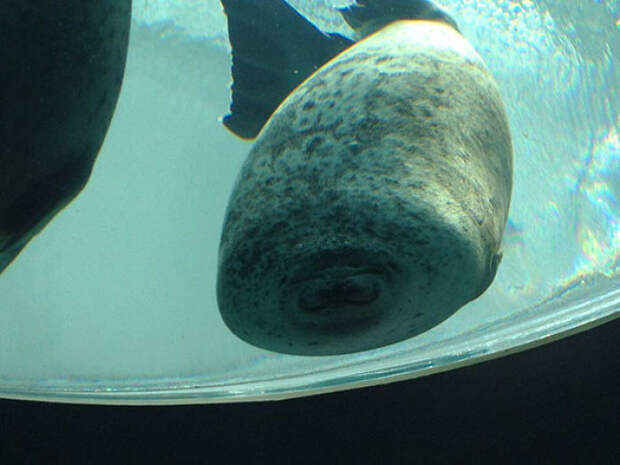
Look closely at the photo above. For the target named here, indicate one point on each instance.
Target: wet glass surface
(115, 299)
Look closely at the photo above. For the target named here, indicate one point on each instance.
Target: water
(117, 295)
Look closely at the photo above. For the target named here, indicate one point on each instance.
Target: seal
(373, 203)
(60, 80)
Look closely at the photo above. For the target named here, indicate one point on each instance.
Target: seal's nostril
(325, 293)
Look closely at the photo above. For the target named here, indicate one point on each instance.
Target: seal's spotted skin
(373, 203)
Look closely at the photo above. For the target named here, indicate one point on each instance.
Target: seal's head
(350, 270)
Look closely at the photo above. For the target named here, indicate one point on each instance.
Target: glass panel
(114, 301)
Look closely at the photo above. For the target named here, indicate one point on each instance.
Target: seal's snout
(326, 292)
(336, 279)
(337, 284)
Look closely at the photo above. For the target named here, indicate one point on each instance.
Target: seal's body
(373, 204)
(62, 68)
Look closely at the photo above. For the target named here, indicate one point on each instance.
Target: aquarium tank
(114, 298)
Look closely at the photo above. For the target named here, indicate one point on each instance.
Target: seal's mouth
(338, 287)
(338, 280)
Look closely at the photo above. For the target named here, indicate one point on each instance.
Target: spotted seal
(373, 202)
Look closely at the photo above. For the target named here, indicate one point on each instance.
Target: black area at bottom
(557, 403)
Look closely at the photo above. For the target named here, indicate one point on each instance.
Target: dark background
(557, 403)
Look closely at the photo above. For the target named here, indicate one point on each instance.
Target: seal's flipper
(274, 49)
(368, 16)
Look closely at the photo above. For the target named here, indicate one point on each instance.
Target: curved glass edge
(560, 316)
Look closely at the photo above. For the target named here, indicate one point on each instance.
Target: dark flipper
(368, 16)
(274, 49)
(62, 68)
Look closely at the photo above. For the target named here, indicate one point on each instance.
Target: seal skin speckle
(373, 204)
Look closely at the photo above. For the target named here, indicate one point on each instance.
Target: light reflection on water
(556, 63)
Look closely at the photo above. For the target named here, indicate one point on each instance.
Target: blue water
(119, 290)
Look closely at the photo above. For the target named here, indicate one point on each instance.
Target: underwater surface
(115, 298)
